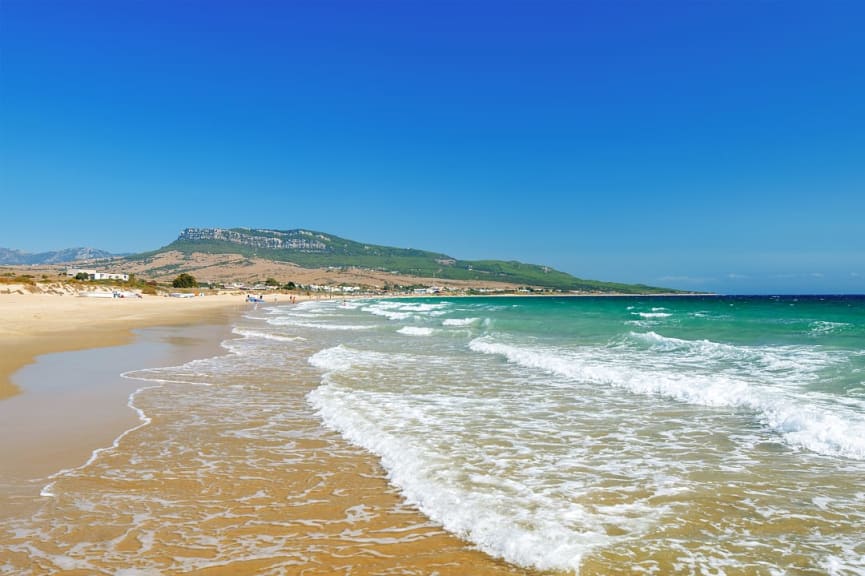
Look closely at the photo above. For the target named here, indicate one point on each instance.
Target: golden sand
(46, 429)
(159, 520)
(34, 324)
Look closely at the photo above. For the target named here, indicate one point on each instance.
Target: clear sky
(709, 145)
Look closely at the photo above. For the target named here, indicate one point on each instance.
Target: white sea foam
(330, 326)
(548, 533)
(821, 327)
(393, 314)
(415, 331)
(342, 358)
(404, 310)
(460, 321)
(767, 381)
(266, 335)
(652, 314)
(480, 475)
(783, 363)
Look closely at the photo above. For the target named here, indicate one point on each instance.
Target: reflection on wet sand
(235, 477)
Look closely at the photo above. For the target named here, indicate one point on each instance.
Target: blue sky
(698, 145)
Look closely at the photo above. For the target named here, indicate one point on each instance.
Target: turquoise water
(705, 435)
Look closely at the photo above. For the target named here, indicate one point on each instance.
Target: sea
(543, 435)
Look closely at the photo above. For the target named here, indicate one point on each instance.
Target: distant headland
(227, 257)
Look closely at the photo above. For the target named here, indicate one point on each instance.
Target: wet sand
(60, 364)
(36, 324)
(76, 402)
(52, 416)
(323, 507)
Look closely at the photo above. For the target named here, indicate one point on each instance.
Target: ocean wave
(342, 358)
(459, 321)
(415, 331)
(266, 335)
(648, 315)
(698, 348)
(819, 328)
(323, 325)
(393, 314)
(797, 363)
(551, 533)
(765, 381)
(405, 310)
(338, 358)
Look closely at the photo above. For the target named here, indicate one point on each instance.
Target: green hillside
(318, 250)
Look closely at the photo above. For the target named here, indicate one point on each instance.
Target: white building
(94, 275)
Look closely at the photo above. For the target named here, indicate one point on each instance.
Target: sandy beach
(35, 324)
(56, 411)
(324, 506)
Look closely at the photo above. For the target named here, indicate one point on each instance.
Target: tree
(82, 276)
(185, 281)
(289, 286)
(271, 282)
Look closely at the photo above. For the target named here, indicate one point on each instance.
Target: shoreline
(63, 396)
(38, 324)
(329, 484)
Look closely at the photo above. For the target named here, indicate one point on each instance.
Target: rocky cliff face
(298, 240)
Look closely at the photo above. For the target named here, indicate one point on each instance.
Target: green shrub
(185, 281)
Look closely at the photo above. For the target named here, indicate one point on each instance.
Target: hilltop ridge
(230, 255)
(312, 249)
(19, 257)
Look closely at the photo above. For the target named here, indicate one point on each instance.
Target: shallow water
(705, 435)
(229, 471)
(590, 435)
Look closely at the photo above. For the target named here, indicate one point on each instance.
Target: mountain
(18, 258)
(311, 249)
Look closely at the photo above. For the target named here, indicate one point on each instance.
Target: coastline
(38, 324)
(328, 483)
(62, 396)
